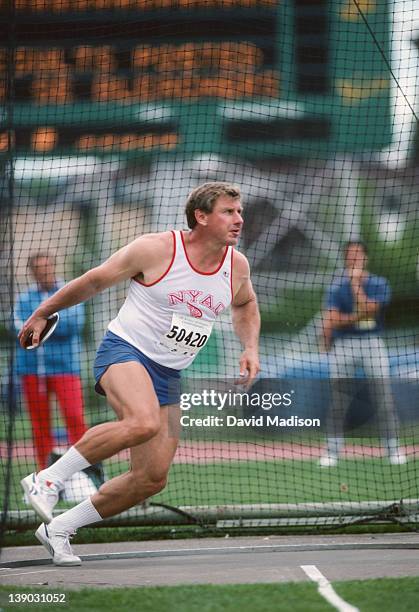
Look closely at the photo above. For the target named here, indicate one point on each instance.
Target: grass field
(391, 595)
(287, 481)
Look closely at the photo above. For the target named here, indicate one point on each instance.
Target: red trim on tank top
(231, 274)
(199, 271)
(164, 273)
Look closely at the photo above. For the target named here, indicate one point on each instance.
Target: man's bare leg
(131, 393)
(150, 464)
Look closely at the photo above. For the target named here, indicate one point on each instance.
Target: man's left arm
(246, 323)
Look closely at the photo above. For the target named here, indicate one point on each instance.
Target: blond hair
(205, 196)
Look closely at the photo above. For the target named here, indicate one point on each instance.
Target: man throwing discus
(180, 282)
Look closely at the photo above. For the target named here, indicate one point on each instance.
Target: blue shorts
(114, 349)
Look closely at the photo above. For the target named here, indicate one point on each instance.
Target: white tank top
(170, 320)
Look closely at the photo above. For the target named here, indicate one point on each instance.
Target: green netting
(111, 112)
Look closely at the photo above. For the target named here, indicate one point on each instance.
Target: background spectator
(55, 366)
(352, 327)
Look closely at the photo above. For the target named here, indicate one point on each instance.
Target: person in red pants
(37, 392)
(54, 368)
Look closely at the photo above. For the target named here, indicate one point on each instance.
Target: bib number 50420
(186, 334)
(187, 338)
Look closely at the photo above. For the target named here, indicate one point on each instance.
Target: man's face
(225, 221)
(43, 271)
(356, 258)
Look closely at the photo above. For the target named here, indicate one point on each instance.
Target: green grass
(253, 482)
(393, 595)
(389, 594)
(408, 434)
(293, 311)
(22, 428)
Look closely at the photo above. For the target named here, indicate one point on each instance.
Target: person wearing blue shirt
(352, 327)
(55, 366)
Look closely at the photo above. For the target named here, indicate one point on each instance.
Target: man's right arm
(333, 317)
(338, 319)
(122, 265)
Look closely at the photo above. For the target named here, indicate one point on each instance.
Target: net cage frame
(308, 174)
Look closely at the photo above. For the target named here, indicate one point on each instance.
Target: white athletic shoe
(398, 458)
(58, 545)
(41, 494)
(328, 461)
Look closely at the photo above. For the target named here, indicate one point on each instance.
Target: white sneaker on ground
(58, 546)
(328, 461)
(41, 494)
(398, 458)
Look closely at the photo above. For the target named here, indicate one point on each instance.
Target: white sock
(334, 446)
(67, 465)
(392, 445)
(83, 514)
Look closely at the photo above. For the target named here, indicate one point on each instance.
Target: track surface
(209, 452)
(185, 561)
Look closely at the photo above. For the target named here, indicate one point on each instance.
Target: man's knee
(157, 484)
(149, 483)
(140, 430)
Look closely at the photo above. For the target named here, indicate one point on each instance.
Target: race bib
(187, 335)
